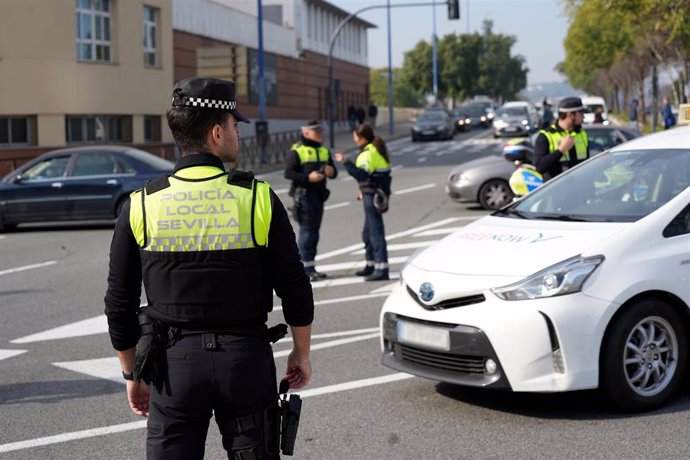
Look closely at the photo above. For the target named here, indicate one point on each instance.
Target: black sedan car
(433, 124)
(80, 183)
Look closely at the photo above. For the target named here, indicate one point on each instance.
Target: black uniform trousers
(227, 375)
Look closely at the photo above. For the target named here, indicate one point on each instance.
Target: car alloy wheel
(643, 356)
(495, 194)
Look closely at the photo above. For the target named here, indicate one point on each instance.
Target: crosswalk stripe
(27, 267)
(4, 354)
(91, 326)
(347, 281)
(403, 246)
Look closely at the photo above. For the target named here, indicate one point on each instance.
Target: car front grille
(450, 303)
(453, 363)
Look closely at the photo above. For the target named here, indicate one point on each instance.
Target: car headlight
(525, 122)
(461, 122)
(500, 124)
(491, 116)
(468, 121)
(415, 128)
(566, 277)
(483, 118)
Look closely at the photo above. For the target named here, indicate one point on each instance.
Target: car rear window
(151, 160)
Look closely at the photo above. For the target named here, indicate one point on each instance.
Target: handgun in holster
(153, 341)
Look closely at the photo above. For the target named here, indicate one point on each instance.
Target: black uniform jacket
(298, 173)
(285, 271)
(550, 164)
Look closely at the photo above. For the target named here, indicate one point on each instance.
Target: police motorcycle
(525, 178)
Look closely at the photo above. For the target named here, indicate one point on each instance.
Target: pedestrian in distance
(352, 117)
(547, 114)
(373, 112)
(372, 170)
(361, 115)
(211, 246)
(563, 144)
(632, 114)
(667, 114)
(598, 116)
(308, 165)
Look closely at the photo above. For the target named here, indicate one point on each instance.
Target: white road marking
(339, 300)
(331, 344)
(347, 281)
(337, 334)
(385, 290)
(4, 354)
(281, 191)
(411, 231)
(28, 267)
(97, 325)
(396, 167)
(336, 206)
(355, 264)
(414, 189)
(2, 237)
(436, 231)
(347, 179)
(403, 246)
(421, 160)
(106, 430)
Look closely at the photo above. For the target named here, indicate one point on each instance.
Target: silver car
(485, 180)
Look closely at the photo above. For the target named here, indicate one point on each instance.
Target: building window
(152, 128)
(17, 131)
(150, 36)
(93, 30)
(98, 128)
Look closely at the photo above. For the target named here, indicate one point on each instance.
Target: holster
(149, 364)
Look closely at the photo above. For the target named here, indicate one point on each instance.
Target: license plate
(417, 334)
(511, 129)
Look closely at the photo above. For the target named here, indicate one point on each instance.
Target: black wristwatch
(128, 375)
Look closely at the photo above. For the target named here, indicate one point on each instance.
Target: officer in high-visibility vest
(211, 246)
(307, 165)
(563, 144)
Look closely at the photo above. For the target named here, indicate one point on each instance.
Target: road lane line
(437, 231)
(91, 326)
(414, 189)
(106, 430)
(356, 264)
(347, 281)
(411, 231)
(421, 160)
(28, 267)
(339, 300)
(336, 206)
(404, 246)
(4, 354)
(331, 344)
(281, 191)
(336, 334)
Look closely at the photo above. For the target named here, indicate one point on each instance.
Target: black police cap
(571, 104)
(210, 93)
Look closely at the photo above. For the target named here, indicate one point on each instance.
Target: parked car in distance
(485, 180)
(515, 119)
(79, 183)
(581, 284)
(594, 104)
(433, 124)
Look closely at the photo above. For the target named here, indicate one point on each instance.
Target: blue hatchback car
(80, 183)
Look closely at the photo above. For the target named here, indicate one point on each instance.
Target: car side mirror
(17, 179)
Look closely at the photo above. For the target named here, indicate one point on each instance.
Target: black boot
(378, 275)
(366, 271)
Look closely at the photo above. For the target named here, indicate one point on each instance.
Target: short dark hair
(190, 126)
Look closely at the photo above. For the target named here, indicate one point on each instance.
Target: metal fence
(250, 155)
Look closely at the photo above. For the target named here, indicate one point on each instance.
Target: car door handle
(111, 182)
(56, 184)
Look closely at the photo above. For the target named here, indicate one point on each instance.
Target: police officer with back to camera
(307, 165)
(210, 246)
(563, 144)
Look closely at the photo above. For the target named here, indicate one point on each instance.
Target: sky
(540, 26)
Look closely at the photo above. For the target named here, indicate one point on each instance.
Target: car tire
(495, 194)
(633, 373)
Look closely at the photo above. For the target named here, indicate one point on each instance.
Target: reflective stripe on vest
(371, 160)
(554, 136)
(308, 154)
(202, 215)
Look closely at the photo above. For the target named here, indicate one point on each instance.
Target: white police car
(583, 283)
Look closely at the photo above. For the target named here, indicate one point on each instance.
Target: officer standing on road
(210, 246)
(563, 144)
(372, 170)
(307, 165)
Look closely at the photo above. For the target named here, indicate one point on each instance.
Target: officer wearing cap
(307, 165)
(210, 246)
(563, 144)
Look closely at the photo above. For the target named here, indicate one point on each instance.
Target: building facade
(90, 71)
(101, 71)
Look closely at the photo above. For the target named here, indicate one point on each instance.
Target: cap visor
(239, 116)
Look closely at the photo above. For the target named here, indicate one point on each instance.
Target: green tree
(403, 96)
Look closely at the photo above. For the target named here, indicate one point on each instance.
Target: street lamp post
(334, 36)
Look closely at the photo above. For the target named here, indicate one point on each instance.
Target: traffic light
(453, 9)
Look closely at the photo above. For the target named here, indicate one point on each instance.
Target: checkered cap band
(210, 103)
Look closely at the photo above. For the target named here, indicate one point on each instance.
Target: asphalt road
(61, 395)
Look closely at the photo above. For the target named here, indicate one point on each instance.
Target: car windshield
(431, 117)
(594, 107)
(621, 186)
(512, 112)
(473, 110)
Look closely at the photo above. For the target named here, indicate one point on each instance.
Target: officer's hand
(329, 170)
(566, 144)
(339, 157)
(138, 396)
(298, 371)
(316, 176)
